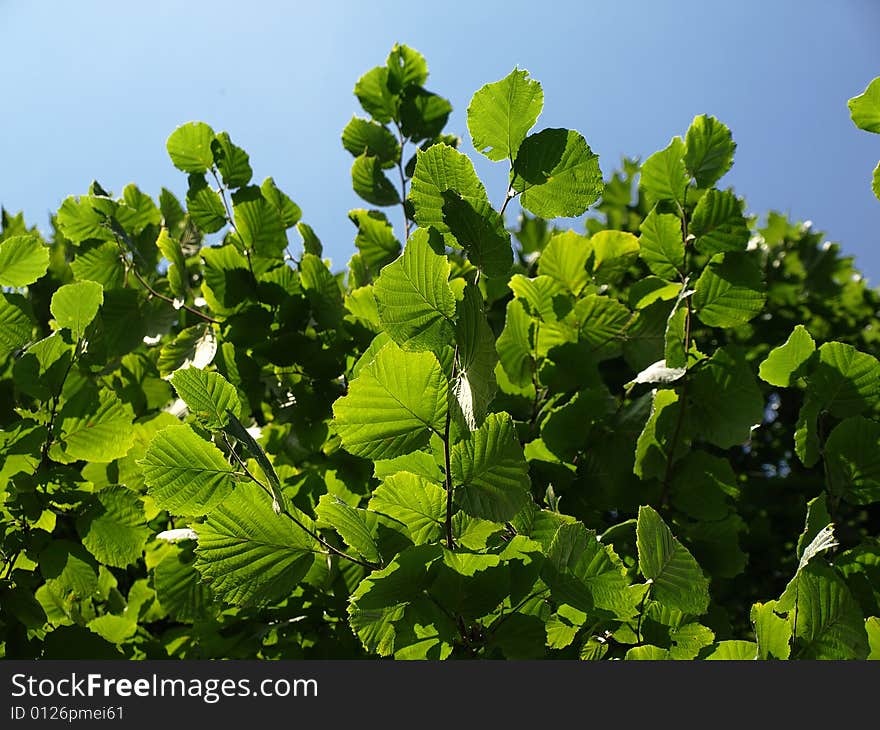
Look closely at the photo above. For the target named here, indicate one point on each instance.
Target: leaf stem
(402, 180)
(221, 190)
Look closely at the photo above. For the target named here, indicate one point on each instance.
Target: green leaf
(702, 486)
(289, 211)
(416, 304)
(818, 518)
(501, 114)
(565, 259)
(557, 174)
(363, 137)
(138, 211)
(585, 574)
(604, 322)
(415, 501)
(852, 457)
(16, 323)
(864, 109)
(176, 272)
(660, 244)
(232, 161)
(725, 402)
(475, 385)
(236, 429)
(653, 446)
(179, 586)
(101, 264)
(204, 205)
(189, 147)
(113, 527)
(806, 435)
(375, 238)
(349, 522)
(514, 344)
(184, 473)
(194, 346)
(423, 114)
(830, 624)
(733, 650)
(730, 291)
(94, 429)
(23, 260)
(678, 581)
(85, 218)
(208, 395)
(393, 405)
(489, 471)
(719, 224)
(482, 234)
(375, 96)
(710, 149)
(406, 67)
(875, 181)
(370, 182)
(664, 176)
(258, 223)
(248, 554)
(772, 631)
(872, 627)
(646, 653)
(74, 306)
(845, 381)
(613, 253)
(786, 364)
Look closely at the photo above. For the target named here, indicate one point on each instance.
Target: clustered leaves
(653, 438)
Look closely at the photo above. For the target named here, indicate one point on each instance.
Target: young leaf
(232, 161)
(489, 471)
(416, 305)
(208, 395)
(393, 405)
(374, 95)
(660, 244)
(74, 306)
(23, 260)
(730, 291)
(248, 554)
(710, 149)
(370, 182)
(415, 501)
(501, 114)
(719, 224)
(189, 147)
(349, 523)
(664, 176)
(184, 473)
(678, 581)
(786, 363)
(557, 174)
(865, 108)
(363, 137)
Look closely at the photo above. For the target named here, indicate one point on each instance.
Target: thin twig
(402, 180)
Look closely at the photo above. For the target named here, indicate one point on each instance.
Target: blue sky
(92, 90)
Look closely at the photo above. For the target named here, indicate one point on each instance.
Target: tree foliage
(653, 436)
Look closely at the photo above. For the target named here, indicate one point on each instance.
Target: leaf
(179, 587)
(664, 176)
(406, 67)
(557, 174)
(258, 223)
(565, 259)
(829, 624)
(393, 405)
(719, 224)
(23, 260)
(658, 373)
(613, 253)
(806, 435)
(375, 238)
(236, 429)
(189, 147)
(204, 205)
(475, 386)
(94, 429)
(373, 93)
(703, 485)
(482, 235)
(852, 457)
(423, 114)
(113, 527)
(772, 631)
(501, 114)
(489, 471)
(585, 574)
(208, 395)
(514, 344)
(818, 518)
(192, 347)
(845, 381)
(678, 581)
(603, 324)
(184, 473)
(370, 182)
(415, 501)
(349, 523)
(730, 291)
(786, 364)
(16, 323)
(232, 161)
(176, 272)
(288, 211)
(248, 554)
(657, 437)
(725, 401)
(864, 109)
(363, 137)
(416, 304)
(85, 218)
(74, 306)
(660, 244)
(709, 150)
(735, 650)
